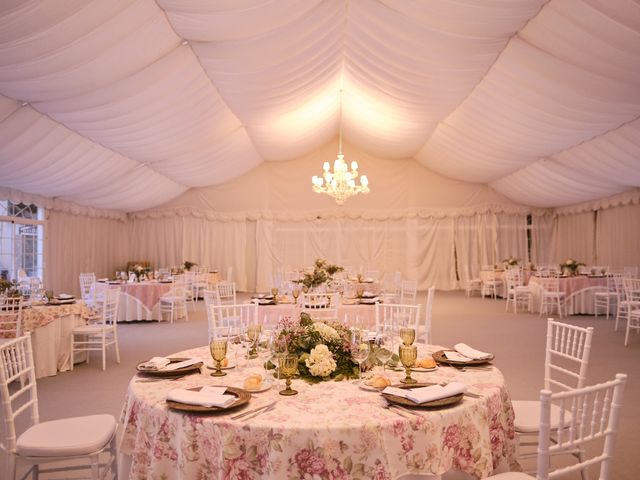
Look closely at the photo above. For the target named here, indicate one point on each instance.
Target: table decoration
(441, 357)
(323, 272)
(218, 349)
(288, 365)
(570, 267)
(331, 361)
(176, 367)
(253, 334)
(425, 395)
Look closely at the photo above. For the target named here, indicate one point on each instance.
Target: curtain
(618, 236)
(541, 238)
(76, 244)
(574, 237)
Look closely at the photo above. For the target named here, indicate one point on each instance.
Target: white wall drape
(618, 236)
(76, 244)
(574, 237)
(541, 239)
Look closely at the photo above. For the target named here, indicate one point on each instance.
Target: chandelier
(341, 183)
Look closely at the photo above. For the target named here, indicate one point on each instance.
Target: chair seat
(67, 437)
(511, 476)
(92, 328)
(527, 416)
(172, 299)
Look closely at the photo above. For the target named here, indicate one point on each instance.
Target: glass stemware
(288, 366)
(384, 351)
(359, 351)
(407, 335)
(408, 355)
(218, 348)
(253, 333)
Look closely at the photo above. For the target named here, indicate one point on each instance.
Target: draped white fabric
(574, 237)
(126, 104)
(617, 237)
(77, 243)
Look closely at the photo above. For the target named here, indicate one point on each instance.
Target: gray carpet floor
(518, 342)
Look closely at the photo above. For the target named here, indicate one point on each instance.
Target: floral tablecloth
(331, 430)
(41, 315)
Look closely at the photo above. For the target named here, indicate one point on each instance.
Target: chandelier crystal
(341, 183)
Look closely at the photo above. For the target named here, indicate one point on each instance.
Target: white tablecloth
(329, 430)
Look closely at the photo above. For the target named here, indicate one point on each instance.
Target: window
(21, 239)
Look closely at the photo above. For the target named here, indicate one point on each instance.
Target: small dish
(264, 386)
(213, 366)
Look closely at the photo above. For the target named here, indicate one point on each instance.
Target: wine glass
(407, 335)
(218, 348)
(296, 293)
(288, 365)
(359, 353)
(408, 355)
(384, 351)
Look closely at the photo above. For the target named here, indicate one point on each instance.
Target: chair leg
(115, 340)
(104, 351)
(71, 354)
(626, 336)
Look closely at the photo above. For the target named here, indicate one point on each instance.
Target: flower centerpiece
(510, 262)
(187, 265)
(570, 267)
(323, 348)
(10, 289)
(139, 271)
(323, 272)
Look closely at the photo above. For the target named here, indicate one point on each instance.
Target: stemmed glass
(359, 350)
(296, 293)
(384, 344)
(218, 349)
(408, 352)
(288, 365)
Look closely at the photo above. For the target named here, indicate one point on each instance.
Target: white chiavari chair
(226, 293)
(427, 317)
(550, 295)
(518, 294)
(70, 439)
(398, 315)
(87, 288)
(102, 334)
(491, 284)
(174, 303)
(320, 306)
(608, 296)
(567, 352)
(632, 302)
(408, 292)
(11, 317)
(593, 415)
(189, 283)
(471, 283)
(234, 317)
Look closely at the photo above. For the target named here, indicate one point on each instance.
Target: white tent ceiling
(125, 104)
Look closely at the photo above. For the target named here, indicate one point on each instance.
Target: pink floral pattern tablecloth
(41, 315)
(331, 430)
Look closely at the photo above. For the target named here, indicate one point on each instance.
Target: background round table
(329, 430)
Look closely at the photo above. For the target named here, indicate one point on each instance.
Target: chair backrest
(408, 291)
(110, 303)
(631, 289)
(317, 301)
(550, 284)
(566, 356)
(427, 317)
(594, 415)
(11, 317)
(324, 314)
(398, 315)
(235, 317)
(16, 365)
(227, 293)
(630, 272)
(86, 286)
(189, 279)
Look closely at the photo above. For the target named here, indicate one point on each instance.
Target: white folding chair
(69, 439)
(607, 297)
(632, 302)
(11, 317)
(565, 368)
(427, 318)
(471, 284)
(517, 293)
(551, 297)
(408, 292)
(398, 315)
(102, 334)
(591, 415)
(234, 317)
(174, 302)
(226, 293)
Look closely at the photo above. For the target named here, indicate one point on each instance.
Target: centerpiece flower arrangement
(510, 262)
(322, 273)
(187, 266)
(323, 348)
(10, 289)
(138, 271)
(570, 266)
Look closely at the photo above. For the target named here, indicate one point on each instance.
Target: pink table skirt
(579, 292)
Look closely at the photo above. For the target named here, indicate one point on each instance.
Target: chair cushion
(67, 437)
(527, 416)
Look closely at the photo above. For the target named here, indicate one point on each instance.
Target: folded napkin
(64, 296)
(156, 363)
(206, 397)
(428, 394)
(164, 364)
(472, 353)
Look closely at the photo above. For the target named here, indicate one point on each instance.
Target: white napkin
(206, 397)
(469, 352)
(64, 296)
(156, 363)
(185, 363)
(428, 394)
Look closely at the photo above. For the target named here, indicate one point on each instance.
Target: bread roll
(379, 381)
(253, 382)
(428, 362)
(224, 362)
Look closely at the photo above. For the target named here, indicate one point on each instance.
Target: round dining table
(579, 292)
(138, 300)
(330, 429)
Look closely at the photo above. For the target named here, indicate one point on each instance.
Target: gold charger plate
(405, 402)
(242, 398)
(170, 373)
(440, 357)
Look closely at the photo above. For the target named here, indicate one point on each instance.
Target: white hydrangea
(326, 332)
(320, 362)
